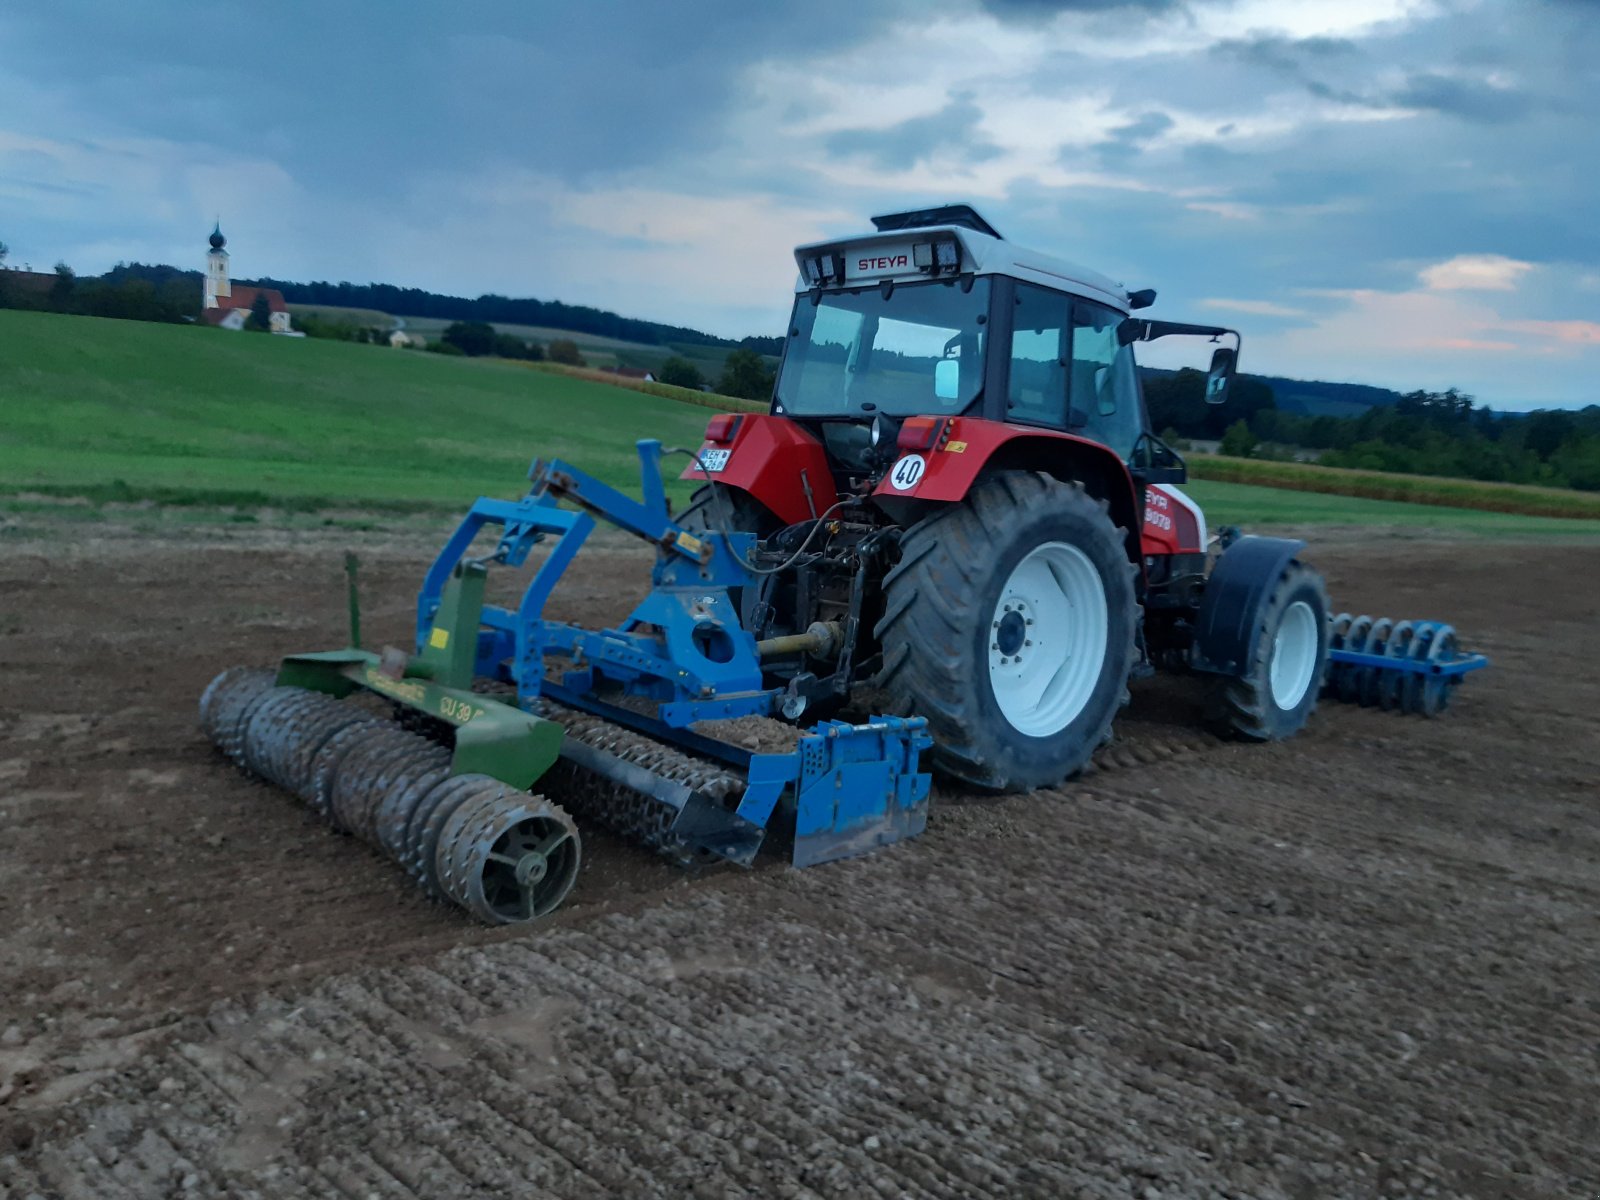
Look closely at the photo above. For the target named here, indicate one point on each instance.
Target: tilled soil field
(1363, 963)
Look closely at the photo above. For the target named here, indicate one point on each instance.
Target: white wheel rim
(1047, 639)
(1294, 655)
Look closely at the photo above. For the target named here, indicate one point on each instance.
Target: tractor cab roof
(941, 242)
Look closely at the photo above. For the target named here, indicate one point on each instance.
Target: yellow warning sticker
(691, 545)
(957, 447)
(439, 638)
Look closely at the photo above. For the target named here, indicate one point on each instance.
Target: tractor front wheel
(1009, 624)
(1278, 691)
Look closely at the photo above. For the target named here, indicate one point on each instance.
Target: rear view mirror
(1221, 375)
(947, 379)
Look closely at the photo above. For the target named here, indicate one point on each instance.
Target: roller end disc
(226, 703)
(508, 857)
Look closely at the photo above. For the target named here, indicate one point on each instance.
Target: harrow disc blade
(1434, 695)
(1390, 685)
(1420, 665)
(1350, 677)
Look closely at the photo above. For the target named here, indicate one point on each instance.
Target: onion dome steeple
(217, 240)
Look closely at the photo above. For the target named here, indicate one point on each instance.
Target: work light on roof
(824, 268)
(935, 257)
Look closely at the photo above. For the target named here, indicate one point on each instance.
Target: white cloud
(1432, 338)
(1475, 272)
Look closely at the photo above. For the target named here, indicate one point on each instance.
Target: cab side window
(1040, 332)
(1105, 386)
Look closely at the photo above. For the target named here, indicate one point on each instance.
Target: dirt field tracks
(1365, 963)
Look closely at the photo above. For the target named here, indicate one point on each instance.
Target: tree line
(1422, 433)
(130, 299)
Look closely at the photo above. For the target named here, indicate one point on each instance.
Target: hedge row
(1412, 489)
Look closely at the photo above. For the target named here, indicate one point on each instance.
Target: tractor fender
(774, 460)
(967, 448)
(1237, 591)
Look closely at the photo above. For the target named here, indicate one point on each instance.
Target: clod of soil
(763, 735)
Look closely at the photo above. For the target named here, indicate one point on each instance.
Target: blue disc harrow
(1402, 666)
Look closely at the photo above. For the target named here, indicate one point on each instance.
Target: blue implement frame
(850, 788)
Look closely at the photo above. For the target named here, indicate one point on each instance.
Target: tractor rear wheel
(1278, 692)
(1009, 624)
(726, 510)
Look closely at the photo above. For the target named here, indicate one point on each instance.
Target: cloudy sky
(1398, 192)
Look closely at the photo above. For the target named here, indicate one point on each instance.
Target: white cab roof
(872, 257)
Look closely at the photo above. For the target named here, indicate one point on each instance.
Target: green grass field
(128, 410)
(184, 415)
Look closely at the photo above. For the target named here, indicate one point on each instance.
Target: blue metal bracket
(859, 788)
(1448, 668)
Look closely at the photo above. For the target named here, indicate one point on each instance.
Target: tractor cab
(936, 315)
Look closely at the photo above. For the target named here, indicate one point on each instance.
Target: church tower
(217, 285)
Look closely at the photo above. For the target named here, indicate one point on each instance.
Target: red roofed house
(228, 307)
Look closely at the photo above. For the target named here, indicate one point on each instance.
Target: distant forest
(501, 310)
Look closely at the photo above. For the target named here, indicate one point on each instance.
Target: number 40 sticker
(907, 472)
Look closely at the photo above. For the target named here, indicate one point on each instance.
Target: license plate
(714, 460)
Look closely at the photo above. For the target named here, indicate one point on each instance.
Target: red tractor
(954, 522)
(959, 505)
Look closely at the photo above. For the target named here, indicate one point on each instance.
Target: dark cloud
(901, 146)
(1469, 100)
(1288, 55)
(1334, 69)
(1030, 7)
(366, 97)
(1037, 10)
(1126, 141)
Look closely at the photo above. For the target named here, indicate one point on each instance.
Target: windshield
(918, 351)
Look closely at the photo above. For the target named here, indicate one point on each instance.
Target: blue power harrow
(1406, 666)
(660, 729)
(681, 659)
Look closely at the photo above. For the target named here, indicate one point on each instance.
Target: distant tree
(564, 350)
(5, 250)
(763, 345)
(1238, 441)
(260, 313)
(61, 289)
(746, 375)
(509, 346)
(446, 348)
(680, 372)
(473, 338)
(1546, 431)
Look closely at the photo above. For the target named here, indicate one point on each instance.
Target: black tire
(1246, 707)
(941, 603)
(727, 510)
